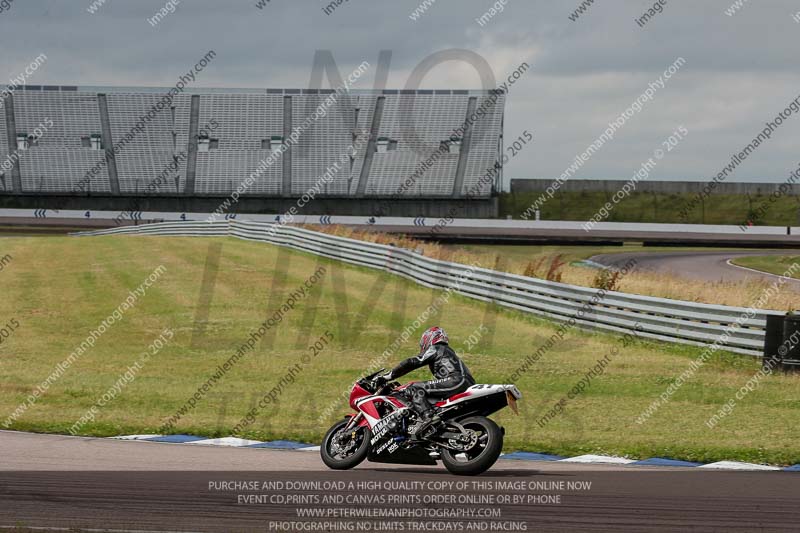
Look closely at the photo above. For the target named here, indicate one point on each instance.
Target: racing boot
(426, 421)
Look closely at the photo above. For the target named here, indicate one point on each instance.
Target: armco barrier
(658, 318)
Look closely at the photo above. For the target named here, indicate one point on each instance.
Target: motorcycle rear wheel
(483, 455)
(360, 435)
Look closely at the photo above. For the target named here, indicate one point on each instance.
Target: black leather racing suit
(452, 376)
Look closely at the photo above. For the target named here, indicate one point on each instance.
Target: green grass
(59, 288)
(773, 264)
(732, 209)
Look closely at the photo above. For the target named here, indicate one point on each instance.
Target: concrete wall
(478, 208)
(666, 187)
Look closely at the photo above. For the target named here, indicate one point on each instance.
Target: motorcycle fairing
(412, 456)
(478, 391)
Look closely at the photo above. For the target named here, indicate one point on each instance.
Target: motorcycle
(465, 440)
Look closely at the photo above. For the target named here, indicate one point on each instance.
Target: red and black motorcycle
(466, 441)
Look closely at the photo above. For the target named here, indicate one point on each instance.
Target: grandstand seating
(243, 122)
(398, 134)
(59, 162)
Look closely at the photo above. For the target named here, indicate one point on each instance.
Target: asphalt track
(56, 483)
(703, 266)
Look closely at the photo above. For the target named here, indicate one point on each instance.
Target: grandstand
(100, 145)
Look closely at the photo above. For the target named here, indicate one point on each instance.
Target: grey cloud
(740, 70)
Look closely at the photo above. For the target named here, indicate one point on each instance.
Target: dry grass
(545, 263)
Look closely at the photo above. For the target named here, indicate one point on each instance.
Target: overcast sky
(740, 71)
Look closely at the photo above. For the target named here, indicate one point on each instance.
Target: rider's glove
(380, 381)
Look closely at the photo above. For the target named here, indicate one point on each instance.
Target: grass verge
(733, 209)
(772, 264)
(60, 288)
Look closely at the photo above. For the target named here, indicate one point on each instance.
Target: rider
(452, 375)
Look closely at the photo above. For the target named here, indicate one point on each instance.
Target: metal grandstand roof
(228, 90)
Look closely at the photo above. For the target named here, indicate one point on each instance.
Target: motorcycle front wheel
(340, 450)
(484, 452)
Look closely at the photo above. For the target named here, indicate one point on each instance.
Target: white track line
(606, 459)
(224, 441)
(736, 465)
